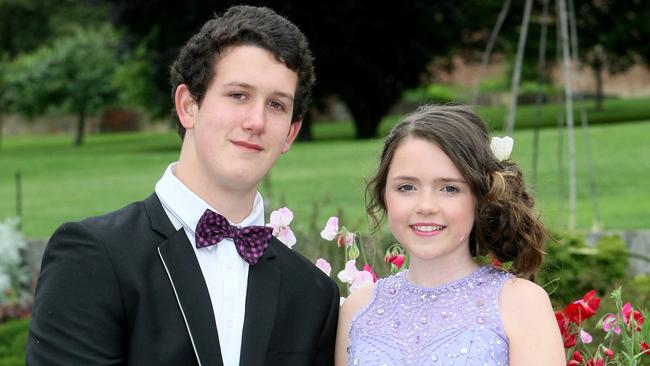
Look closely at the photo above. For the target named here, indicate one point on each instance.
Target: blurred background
(86, 126)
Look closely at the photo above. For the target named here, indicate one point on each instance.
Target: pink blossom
(347, 275)
(368, 268)
(331, 229)
(609, 322)
(324, 266)
(585, 337)
(361, 279)
(280, 220)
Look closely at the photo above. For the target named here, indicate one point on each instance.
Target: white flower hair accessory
(501, 147)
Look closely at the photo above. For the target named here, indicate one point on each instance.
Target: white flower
(331, 229)
(501, 147)
(280, 220)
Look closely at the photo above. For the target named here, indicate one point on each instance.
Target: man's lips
(247, 145)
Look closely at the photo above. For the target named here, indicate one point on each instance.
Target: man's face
(243, 123)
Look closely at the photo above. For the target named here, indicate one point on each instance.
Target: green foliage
(13, 338)
(73, 74)
(133, 78)
(432, 93)
(571, 267)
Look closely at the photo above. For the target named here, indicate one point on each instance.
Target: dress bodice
(455, 324)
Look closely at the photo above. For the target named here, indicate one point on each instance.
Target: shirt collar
(188, 208)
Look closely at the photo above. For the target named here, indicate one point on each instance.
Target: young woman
(448, 199)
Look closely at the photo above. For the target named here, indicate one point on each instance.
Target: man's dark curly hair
(244, 25)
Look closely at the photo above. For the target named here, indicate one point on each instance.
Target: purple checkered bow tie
(250, 241)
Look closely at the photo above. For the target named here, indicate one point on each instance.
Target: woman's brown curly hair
(505, 224)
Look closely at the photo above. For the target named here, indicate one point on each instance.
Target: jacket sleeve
(325, 352)
(77, 318)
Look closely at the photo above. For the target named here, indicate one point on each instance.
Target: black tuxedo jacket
(126, 289)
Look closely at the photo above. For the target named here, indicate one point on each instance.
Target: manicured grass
(315, 180)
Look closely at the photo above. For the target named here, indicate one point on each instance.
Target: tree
(74, 74)
(366, 52)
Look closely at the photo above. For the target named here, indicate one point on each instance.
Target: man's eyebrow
(245, 85)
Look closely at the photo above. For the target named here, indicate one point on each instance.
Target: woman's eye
(450, 189)
(405, 188)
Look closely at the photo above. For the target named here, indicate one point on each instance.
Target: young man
(180, 278)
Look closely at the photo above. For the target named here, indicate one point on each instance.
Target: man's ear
(291, 137)
(186, 106)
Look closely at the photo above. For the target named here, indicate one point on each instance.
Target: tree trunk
(305, 133)
(598, 74)
(81, 125)
(366, 121)
(366, 126)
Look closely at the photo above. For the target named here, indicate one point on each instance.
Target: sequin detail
(455, 324)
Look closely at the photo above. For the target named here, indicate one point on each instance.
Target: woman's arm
(352, 305)
(530, 325)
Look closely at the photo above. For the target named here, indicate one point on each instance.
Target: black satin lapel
(157, 216)
(192, 294)
(261, 305)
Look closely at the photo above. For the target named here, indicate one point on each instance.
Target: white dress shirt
(225, 273)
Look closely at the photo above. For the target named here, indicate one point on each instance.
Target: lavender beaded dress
(455, 324)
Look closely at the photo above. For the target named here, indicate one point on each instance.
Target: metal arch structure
(567, 35)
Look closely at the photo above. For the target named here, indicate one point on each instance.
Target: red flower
(645, 349)
(395, 259)
(568, 338)
(576, 359)
(583, 309)
(608, 352)
(629, 312)
(595, 362)
(495, 262)
(367, 268)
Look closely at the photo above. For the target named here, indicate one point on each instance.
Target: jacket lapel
(188, 284)
(261, 305)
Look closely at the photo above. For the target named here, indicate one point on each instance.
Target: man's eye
(238, 96)
(276, 105)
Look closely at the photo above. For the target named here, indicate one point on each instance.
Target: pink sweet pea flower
(331, 229)
(585, 337)
(611, 322)
(280, 220)
(368, 268)
(347, 275)
(324, 266)
(361, 279)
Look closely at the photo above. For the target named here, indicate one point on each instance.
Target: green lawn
(63, 183)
